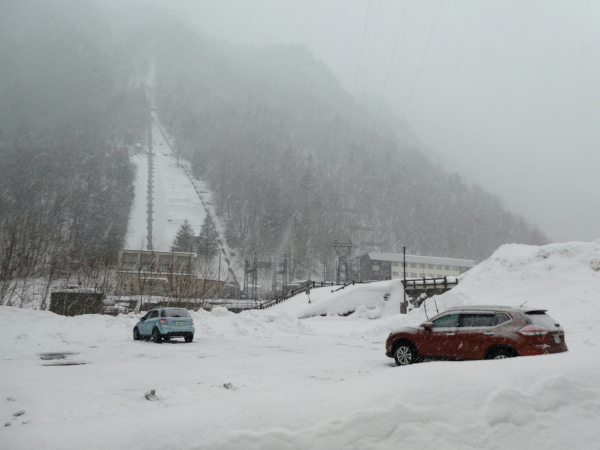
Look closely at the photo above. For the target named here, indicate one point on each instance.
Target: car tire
(156, 336)
(189, 337)
(502, 353)
(136, 334)
(404, 354)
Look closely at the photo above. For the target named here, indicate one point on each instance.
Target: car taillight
(533, 330)
(191, 321)
(163, 321)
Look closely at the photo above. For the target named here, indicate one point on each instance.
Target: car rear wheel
(502, 353)
(136, 334)
(156, 337)
(404, 355)
(189, 337)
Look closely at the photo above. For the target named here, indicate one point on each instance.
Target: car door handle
(450, 334)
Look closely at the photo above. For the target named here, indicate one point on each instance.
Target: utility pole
(404, 304)
(219, 276)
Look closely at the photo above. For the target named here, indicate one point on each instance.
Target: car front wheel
(136, 334)
(404, 355)
(156, 337)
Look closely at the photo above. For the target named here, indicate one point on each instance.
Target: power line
(422, 58)
(357, 73)
(366, 78)
(387, 76)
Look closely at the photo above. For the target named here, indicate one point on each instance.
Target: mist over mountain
(293, 160)
(295, 164)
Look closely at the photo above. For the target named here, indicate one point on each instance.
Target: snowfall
(301, 376)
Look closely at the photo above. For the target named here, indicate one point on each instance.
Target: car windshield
(541, 319)
(176, 312)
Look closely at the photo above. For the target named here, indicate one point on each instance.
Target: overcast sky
(507, 93)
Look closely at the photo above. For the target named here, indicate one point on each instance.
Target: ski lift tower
(343, 250)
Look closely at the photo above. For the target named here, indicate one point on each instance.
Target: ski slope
(269, 380)
(175, 198)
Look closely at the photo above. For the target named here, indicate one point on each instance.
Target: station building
(389, 266)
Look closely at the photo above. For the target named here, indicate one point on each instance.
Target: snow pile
(331, 300)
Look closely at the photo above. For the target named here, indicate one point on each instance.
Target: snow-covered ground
(267, 379)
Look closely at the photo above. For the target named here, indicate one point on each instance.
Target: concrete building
(156, 273)
(388, 266)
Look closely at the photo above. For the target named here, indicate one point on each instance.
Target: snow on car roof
(495, 308)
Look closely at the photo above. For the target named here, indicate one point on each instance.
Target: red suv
(478, 332)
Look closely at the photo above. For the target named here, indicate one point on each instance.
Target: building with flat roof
(156, 273)
(389, 266)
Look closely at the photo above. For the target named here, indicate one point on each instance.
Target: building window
(165, 267)
(395, 274)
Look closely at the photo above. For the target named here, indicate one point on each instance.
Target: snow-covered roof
(421, 259)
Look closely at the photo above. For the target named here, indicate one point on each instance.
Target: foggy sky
(507, 93)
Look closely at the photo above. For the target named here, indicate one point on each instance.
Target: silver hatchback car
(165, 323)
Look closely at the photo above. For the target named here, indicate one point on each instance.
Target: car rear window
(501, 318)
(477, 320)
(541, 319)
(176, 312)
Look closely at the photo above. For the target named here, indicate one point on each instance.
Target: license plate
(181, 323)
(557, 338)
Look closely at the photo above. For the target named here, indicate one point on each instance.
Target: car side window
(153, 314)
(450, 320)
(162, 313)
(477, 320)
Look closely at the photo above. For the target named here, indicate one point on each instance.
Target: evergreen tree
(208, 245)
(184, 239)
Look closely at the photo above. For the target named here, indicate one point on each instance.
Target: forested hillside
(293, 163)
(65, 178)
(269, 128)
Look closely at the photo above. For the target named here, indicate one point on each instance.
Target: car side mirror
(142, 319)
(428, 325)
